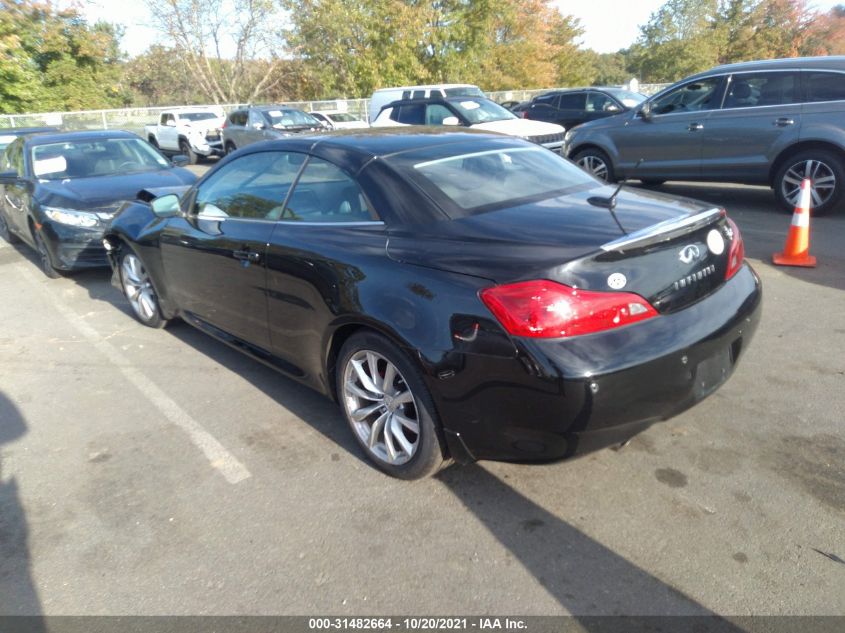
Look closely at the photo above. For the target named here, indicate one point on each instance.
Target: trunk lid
(671, 251)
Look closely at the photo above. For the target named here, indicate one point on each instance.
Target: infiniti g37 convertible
(461, 295)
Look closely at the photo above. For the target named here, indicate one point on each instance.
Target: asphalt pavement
(159, 472)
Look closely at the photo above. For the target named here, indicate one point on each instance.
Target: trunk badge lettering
(689, 253)
(617, 281)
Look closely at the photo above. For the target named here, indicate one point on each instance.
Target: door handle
(784, 121)
(695, 127)
(247, 256)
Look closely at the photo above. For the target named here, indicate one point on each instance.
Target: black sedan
(461, 295)
(58, 191)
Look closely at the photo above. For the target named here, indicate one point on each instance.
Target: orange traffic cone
(796, 251)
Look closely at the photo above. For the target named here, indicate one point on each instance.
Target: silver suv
(768, 122)
(261, 123)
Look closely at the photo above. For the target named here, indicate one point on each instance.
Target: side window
(572, 101)
(761, 89)
(166, 117)
(13, 157)
(418, 94)
(600, 102)
(435, 113)
(411, 114)
(825, 86)
(252, 187)
(691, 97)
(547, 100)
(325, 193)
(256, 119)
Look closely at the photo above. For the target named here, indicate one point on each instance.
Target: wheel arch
(803, 146)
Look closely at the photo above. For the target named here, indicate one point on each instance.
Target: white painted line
(220, 458)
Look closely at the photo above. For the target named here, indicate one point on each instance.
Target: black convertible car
(58, 191)
(461, 295)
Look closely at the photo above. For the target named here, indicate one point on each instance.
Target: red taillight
(546, 309)
(224, 124)
(524, 114)
(736, 253)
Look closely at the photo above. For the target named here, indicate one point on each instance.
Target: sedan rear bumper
(563, 397)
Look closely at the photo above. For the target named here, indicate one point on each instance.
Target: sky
(608, 24)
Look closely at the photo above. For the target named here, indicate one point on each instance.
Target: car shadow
(588, 580)
(765, 225)
(18, 595)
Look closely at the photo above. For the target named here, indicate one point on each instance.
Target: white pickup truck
(194, 132)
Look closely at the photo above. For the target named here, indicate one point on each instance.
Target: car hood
(104, 192)
(519, 127)
(205, 125)
(514, 243)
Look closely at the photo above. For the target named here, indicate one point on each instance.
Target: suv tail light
(546, 309)
(736, 254)
(225, 123)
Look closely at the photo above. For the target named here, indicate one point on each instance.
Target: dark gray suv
(768, 122)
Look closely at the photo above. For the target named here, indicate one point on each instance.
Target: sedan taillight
(547, 309)
(736, 254)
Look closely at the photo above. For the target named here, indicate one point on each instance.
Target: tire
(597, 163)
(651, 182)
(827, 171)
(5, 232)
(230, 147)
(414, 447)
(139, 291)
(185, 148)
(44, 258)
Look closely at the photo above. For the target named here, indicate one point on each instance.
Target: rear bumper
(74, 248)
(559, 398)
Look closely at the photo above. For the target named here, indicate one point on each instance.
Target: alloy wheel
(138, 288)
(381, 407)
(593, 165)
(821, 175)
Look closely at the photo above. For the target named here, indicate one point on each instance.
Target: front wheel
(388, 407)
(185, 148)
(596, 163)
(138, 290)
(44, 258)
(826, 172)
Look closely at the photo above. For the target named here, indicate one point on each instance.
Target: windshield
(197, 116)
(469, 183)
(290, 118)
(481, 110)
(460, 91)
(100, 157)
(629, 99)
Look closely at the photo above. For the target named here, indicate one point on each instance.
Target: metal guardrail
(134, 119)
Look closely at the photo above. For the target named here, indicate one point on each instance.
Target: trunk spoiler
(664, 229)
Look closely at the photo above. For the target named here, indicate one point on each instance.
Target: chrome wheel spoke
(408, 423)
(389, 377)
(399, 436)
(361, 392)
(364, 412)
(366, 381)
(377, 428)
(406, 397)
(822, 179)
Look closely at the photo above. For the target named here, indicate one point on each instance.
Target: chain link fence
(134, 119)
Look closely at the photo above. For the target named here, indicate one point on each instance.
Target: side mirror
(9, 176)
(166, 206)
(180, 160)
(612, 107)
(645, 112)
(170, 123)
(259, 126)
(451, 120)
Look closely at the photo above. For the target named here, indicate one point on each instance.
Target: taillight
(736, 253)
(224, 124)
(524, 114)
(546, 309)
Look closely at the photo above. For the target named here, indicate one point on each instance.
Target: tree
(219, 41)
(54, 60)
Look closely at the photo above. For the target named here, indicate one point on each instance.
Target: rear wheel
(138, 290)
(230, 147)
(595, 162)
(185, 148)
(825, 170)
(44, 258)
(5, 232)
(388, 407)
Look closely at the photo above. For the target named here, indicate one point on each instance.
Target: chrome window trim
(662, 227)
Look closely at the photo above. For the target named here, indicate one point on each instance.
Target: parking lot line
(220, 458)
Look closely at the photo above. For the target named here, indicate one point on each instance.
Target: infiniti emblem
(689, 253)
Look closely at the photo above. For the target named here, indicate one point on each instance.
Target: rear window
(469, 183)
(825, 87)
(464, 91)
